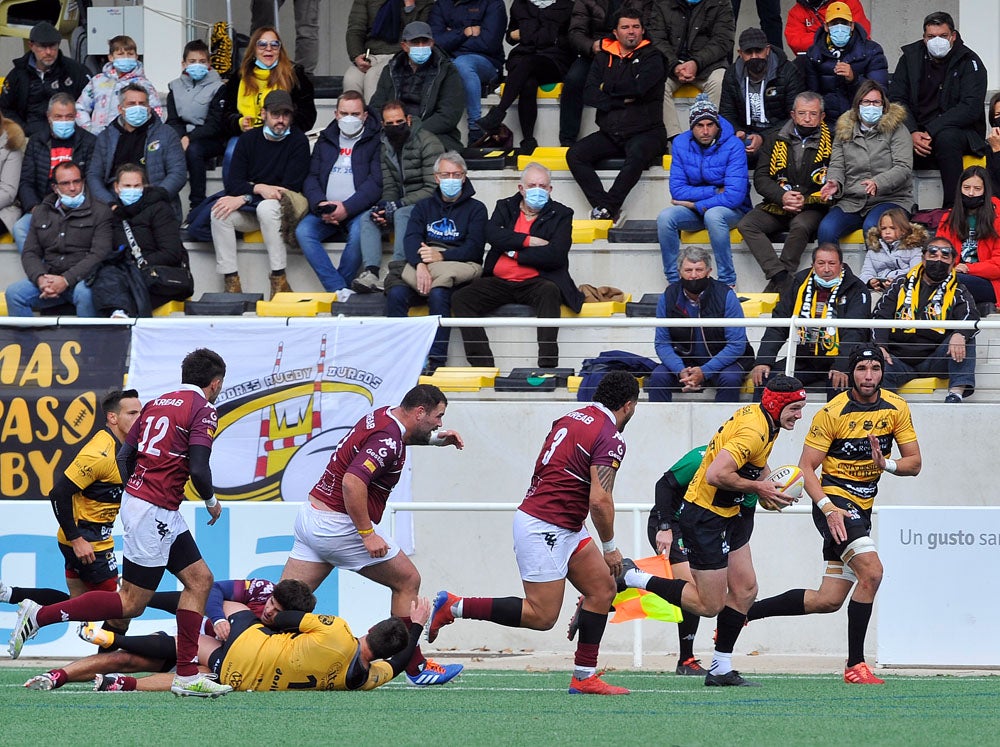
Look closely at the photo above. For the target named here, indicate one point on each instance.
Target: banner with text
(52, 380)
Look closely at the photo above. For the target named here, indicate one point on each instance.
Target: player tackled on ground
(851, 438)
(574, 475)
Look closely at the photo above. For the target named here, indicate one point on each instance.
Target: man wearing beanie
(709, 189)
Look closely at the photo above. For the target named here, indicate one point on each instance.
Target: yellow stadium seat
(687, 92)
(923, 386)
(597, 309)
(968, 161)
(666, 163)
(701, 237)
(419, 311)
(254, 237)
(552, 158)
(545, 91)
(3, 305)
(586, 231)
(6, 238)
(757, 304)
(170, 307)
(297, 304)
(856, 237)
(573, 384)
(462, 378)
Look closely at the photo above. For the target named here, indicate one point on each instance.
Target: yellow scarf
(825, 340)
(778, 166)
(251, 105)
(937, 305)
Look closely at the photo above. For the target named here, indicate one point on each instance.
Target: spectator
(590, 22)
(345, 180)
(427, 83)
(871, 166)
(12, 142)
(409, 154)
(137, 136)
(973, 227)
(625, 85)
(42, 72)
(758, 90)
(993, 141)
(472, 33)
(696, 41)
(789, 174)
(807, 17)
(827, 290)
(530, 236)
(97, 106)
(929, 291)
(70, 236)
(306, 28)
(374, 28)
(895, 247)
(841, 58)
(542, 54)
(188, 103)
(941, 84)
(266, 67)
(267, 162)
(444, 245)
(62, 141)
(692, 358)
(709, 188)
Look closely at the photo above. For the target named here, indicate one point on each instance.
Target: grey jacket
(188, 103)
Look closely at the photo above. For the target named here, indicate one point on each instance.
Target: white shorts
(150, 531)
(331, 537)
(543, 550)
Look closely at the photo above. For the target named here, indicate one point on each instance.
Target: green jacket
(409, 176)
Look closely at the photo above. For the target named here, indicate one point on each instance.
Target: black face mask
(397, 134)
(757, 66)
(696, 286)
(936, 271)
(805, 132)
(994, 121)
(973, 203)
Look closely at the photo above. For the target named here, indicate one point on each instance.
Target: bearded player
(574, 475)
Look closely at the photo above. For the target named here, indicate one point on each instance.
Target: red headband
(774, 402)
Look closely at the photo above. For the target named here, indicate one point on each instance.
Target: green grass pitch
(522, 708)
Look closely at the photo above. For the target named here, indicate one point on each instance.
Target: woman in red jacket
(973, 227)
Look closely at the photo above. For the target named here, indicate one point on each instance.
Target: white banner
(938, 602)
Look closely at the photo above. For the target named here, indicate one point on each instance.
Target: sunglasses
(934, 251)
(264, 44)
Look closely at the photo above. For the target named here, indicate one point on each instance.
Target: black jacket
(543, 32)
(555, 225)
(867, 61)
(713, 305)
(961, 97)
(16, 101)
(591, 22)
(705, 33)
(35, 183)
(781, 84)
(154, 226)
(626, 91)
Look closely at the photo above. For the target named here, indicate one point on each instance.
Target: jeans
(371, 237)
(22, 299)
(717, 221)
(402, 297)
(728, 383)
(837, 223)
(981, 289)
(939, 363)
(20, 230)
(312, 232)
(474, 70)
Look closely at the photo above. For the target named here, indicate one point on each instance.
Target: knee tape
(857, 547)
(839, 570)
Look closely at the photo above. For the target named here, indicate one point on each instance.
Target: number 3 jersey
(164, 431)
(560, 487)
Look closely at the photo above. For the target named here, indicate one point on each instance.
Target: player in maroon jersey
(574, 476)
(170, 441)
(336, 526)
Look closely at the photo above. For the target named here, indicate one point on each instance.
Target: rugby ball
(78, 420)
(789, 479)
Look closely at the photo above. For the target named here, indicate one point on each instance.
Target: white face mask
(938, 47)
(350, 125)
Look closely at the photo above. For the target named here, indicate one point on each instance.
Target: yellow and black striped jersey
(841, 430)
(95, 506)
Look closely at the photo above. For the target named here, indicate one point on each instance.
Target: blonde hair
(283, 74)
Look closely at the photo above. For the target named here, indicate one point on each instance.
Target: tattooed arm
(602, 512)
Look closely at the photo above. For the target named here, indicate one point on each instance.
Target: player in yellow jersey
(716, 533)
(851, 439)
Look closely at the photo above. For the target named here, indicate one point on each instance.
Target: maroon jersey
(254, 593)
(162, 434)
(373, 452)
(560, 487)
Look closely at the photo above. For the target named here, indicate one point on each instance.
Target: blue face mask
(870, 114)
(196, 70)
(536, 198)
(451, 187)
(420, 55)
(63, 130)
(274, 135)
(130, 195)
(840, 35)
(71, 202)
(826, 283)
(136, 116)
(262, 66)
(124, 65)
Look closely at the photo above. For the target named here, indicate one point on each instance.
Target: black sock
(165, 600)
(729, 626)
(858, 616)
(155, 646)
(592, 625)
(686, 630)
(43, 596)
(667, 588)
(374, 270)
(507, 611)
(792, 602)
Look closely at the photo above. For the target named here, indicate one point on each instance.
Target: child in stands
(97, 106)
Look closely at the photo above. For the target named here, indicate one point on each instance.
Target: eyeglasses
(871, 102)
(264, 44)
(936, 251)
(71, 183)
(450, 174)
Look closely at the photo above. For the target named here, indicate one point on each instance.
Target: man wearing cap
(709, 188)
(716, 525)
(851, 439)
(841, 57)
(268, 161)
(758, 90)
(427, 83)
(36, 77)
(625, 85)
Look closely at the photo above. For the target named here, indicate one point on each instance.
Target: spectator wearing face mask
(806, 18)
(97, 106)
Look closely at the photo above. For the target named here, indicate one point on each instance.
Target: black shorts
(239, 623)
(104, 567)
(678, 552)
(709, 538)
(858, 524)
